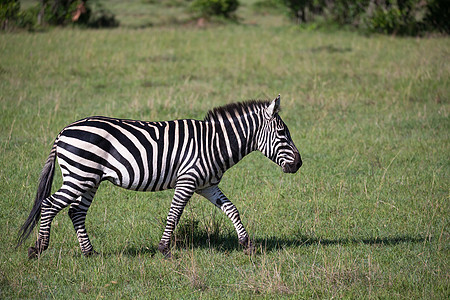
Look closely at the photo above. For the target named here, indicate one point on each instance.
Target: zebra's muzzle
(293, 166)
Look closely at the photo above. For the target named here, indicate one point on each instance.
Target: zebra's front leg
(183, 192)
(77, 213)
(215, 195)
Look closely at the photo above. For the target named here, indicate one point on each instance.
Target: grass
(367, 216)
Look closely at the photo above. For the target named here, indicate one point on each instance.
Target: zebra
(189, 156)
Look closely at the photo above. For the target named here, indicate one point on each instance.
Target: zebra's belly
(142, 182)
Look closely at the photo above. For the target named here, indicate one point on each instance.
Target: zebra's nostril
(298, 159)
(299, 163)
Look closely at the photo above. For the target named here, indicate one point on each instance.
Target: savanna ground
(367, 216)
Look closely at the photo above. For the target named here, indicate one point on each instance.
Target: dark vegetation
(207, 8)
(404, 17)
(56, 13)
(395, 17)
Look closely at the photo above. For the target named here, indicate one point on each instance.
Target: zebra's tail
(44, 190)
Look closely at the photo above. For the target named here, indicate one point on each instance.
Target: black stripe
(160, 144)
(170, 148)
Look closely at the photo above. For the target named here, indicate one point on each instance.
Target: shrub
(12, 17)
(345, 12)
(404, 17)
(438, 15)
(57, 12)
(27, 18)
(95, 15)
(297, 8)
(397, 17)
(91, 13)
(341, 12)
(265, 6)
(9, 11)
(102, 18)
(208, 8)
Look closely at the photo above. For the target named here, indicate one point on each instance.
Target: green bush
(208, 8)
(102, 18)
(27, 18)
(345, 12)
(9, 11)
(438, 15)
(12, 17)
(58, 12)
(403, 17)
(266, 6)
(96, 16)
(342, 12)
(297, 8)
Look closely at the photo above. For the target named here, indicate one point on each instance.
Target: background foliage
(215, 7)
(404, 17)
(400, 17)
(55, 13)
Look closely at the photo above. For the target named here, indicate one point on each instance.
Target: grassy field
(367, 216)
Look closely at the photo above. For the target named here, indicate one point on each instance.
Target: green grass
(367, 216)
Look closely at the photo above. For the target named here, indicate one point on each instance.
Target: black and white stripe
(186, 155)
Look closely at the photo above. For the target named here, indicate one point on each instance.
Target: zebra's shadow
(274, 243)
(227, 242)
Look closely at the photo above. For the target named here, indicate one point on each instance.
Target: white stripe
(172, 166)
(186, 143)
(164, 156)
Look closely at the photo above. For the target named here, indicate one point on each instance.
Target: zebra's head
(275, 140)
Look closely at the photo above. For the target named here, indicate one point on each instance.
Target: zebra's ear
(274, 107)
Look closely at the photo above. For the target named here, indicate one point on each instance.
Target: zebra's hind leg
(215, 195)
(77, 213)
(50, 207)
(183, 192)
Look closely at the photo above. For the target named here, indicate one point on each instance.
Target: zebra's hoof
(33, 253)
(249, 248)
(165, 251)
(91, 253)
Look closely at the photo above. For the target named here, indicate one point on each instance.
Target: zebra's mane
(238, 106)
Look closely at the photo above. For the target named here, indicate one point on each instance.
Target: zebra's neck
(234, 136)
